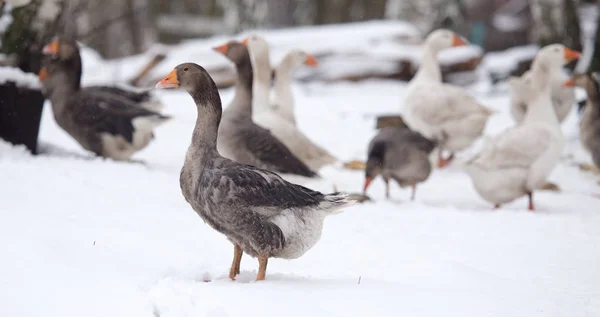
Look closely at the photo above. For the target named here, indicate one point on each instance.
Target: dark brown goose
(259, 212)
(242, 140)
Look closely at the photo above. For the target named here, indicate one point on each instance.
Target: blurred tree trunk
(121, 27)
(556, 21)
(281, 13)
(595, 64)
(370, 9)
(332, 11)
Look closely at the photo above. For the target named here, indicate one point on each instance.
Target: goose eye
(557, 50)
(185, 69)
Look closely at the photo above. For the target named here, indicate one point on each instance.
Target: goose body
(438, 111)
(519, 160)
(279, 117)
(258, 211)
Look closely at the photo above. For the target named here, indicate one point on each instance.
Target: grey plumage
(256, 209)
(589, 130)
(244, 141)
(400, 154)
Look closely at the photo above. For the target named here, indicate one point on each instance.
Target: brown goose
(589, 128)
(105, 124)
(259, 212)
(399, 154)
(242, 140)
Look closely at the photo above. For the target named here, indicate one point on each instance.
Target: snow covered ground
(83, 236)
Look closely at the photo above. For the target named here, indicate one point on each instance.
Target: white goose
(287, 132)
(440, 111)
(282, 102)
(519, 160)
(562, 97)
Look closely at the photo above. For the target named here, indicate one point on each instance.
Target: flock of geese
(230, 175)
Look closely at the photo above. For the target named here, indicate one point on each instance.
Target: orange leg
(262, 267)
(530, 195)
(237, 259)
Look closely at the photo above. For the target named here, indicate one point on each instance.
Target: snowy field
(84, 236)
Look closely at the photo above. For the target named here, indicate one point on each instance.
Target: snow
(84, 236)
(20, 78)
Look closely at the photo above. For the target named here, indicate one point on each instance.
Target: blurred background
(117, 28)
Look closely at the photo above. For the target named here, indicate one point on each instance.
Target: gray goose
(106, 124)
(589, 127)
(400, 154)
(258, 211)
(242, 140)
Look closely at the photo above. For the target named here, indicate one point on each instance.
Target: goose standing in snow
(517, 161)
(105, 124)
(589, 127)
(438, 111)
(562, 97)
(240, 138)
(399, 154)
(269, 117)
(259, 212)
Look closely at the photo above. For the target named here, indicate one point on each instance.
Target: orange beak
(311, 61)
(51, 49)
(222, 48)
(569, 83)
(367, 183)
(571, 54)
(170, 81)
(245, 42)
(457, 41)
(43, 74)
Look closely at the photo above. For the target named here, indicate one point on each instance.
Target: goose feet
(443, 162)
(237, 259)
(262, 266)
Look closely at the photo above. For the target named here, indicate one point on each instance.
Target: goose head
(297, 58)
(554, 56)
(442, 38)
(257, 45)
(588, 81)
(234, 51)
(62, 49)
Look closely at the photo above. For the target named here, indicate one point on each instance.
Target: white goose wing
(517, 147)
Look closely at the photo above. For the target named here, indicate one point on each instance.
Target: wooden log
(390, 121)
(135, 81)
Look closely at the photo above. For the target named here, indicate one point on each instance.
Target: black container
(20, 115)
